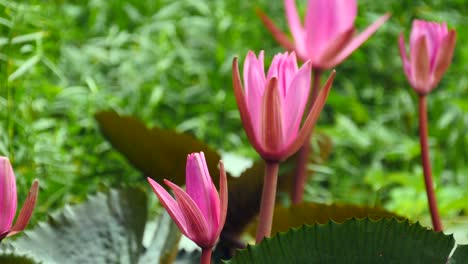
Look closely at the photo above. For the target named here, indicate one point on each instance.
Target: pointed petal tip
(235, 61)
(357, 41)
(35, 184)
(259, 12)
(277, 33)
(223, 197)
(150, 180)
(27, 210)
(330, 79)
(169, 183)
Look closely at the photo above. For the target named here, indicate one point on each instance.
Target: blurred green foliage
(168, 63)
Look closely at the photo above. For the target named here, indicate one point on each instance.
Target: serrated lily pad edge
(459, 253)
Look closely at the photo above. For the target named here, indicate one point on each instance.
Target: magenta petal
(310, 120)
(444, 56)
(325, 20)
(8, 201)
(200, 187)
(420, 66)
(358, 41)
(417, 31)
(27, 209)
(318, 25)
(404, 56)
(294, 102)
(275, 66)
(333, 48)
(196, 222)
(254, 84)
(170, 205)
(272, 138)
(345, 14)
(295, 25)
(283, 68)
(223, 197)
(243, 109)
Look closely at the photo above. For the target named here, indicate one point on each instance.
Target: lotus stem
(300, 173)
(267, 205)
(436, 223)
(206, 255)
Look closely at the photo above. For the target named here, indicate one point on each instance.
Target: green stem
(206, 255)
(267, 205)
(300, 174)
(423, 135)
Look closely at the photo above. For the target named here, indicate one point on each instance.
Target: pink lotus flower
(327, 36)
(199, 212)
(8, 201)
(431, 52)
(271, 106)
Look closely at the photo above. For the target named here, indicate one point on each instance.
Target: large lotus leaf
(158, 153)
(354, 241)
(108, 228)
(460, 256)
(164, 244)
(14, 259)
(9, 255)
(311, 213)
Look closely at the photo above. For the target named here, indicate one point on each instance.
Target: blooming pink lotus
(199, 212)
(327, 36)
(8, 201)
(431, 52)
(271, 106)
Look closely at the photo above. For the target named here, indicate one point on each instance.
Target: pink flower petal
(420, 67)
(283, 68)
(254, 84)
(357, 41)
(243, 109)
(417, 31)
(223, 197)
(295, 25)
(171, 206)
(272, 138)
(333, 48)
(404, 56)
(8, 201)
(434, 33)
(317, 25)
(27, 209)
(311, 119)
(199, 185)
(325, 20)
(197, 224)
(295, 101)
(444, 56)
